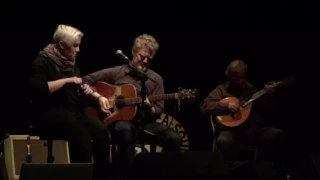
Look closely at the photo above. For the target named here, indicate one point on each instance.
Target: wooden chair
(35, 131)
(114, 149)
(153, 146)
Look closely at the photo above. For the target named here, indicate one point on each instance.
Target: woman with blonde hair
(59, 97)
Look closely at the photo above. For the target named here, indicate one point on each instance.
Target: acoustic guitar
(238, 118)
(123, 100)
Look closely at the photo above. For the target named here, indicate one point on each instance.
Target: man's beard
(142, 68)
(139, 67)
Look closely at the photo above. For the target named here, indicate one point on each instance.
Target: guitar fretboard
(136, 100)
(255, 96)
(284, 82)
(258, 94)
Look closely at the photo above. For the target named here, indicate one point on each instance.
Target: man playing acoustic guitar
(252, 131)
(123, 132)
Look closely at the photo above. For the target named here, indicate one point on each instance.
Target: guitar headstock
(188, 93)
(285, 82)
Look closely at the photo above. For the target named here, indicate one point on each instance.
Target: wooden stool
(114, 148)
(36, 132)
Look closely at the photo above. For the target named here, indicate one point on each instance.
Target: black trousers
(86, 136)
(269, 140)
(124, 133)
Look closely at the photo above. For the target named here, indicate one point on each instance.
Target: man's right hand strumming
(234, 107)
(104, 104)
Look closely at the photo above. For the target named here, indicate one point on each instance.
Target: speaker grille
(16, 151)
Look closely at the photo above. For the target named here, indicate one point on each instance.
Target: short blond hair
(67, 34)
(145, 41)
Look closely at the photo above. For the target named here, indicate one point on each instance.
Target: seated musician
(123, 132)
(58, 100)
(252, 132)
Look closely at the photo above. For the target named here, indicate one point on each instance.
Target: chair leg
(50, 158)
(255, 157)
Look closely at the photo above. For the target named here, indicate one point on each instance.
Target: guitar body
(112, 93)
(124, 99)
(236, 119)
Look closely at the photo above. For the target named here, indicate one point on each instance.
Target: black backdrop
(197, 40)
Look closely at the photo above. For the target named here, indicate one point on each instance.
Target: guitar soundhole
(119, 102)
(111, 110)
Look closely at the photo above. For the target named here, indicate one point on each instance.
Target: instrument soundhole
(111, 110)
(119, 102)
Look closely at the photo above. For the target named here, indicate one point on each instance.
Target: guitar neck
(161, 97)
(258, 94)
(153, 98)
(255, 96)
(284, 82)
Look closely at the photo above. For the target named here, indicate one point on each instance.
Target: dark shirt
(211, 105)
(44, 70)
(120, 75)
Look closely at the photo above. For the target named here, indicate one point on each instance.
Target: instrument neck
(152, 98)
(258, 94)
(255, 96)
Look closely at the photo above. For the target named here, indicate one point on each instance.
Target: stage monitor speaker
(15, 151)
(165, 164)
(49, 171)
(308, 168)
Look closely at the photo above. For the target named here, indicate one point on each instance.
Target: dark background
(197, 40)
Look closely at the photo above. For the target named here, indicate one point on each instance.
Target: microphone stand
(143, 77)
